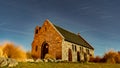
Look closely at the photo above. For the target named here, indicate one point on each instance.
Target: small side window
(36, 32)
(36, 48)
(80, 49)
(72, 47)
(45, 29)
(88, 51)
(75, 48)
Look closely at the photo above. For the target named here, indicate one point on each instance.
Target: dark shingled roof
(74, 38)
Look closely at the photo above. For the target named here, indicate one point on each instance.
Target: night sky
(98, 21)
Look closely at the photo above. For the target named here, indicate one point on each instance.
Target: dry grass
(66, 65)
(11, 50)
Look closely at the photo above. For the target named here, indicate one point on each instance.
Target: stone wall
(68, 45)
(47, 33)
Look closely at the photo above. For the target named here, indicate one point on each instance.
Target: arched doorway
(44, 50)
(78, 56)
(69, 55)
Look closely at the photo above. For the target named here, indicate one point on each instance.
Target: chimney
(78, 34)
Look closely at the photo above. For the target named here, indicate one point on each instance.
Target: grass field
(66, 65)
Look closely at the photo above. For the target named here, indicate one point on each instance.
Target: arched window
(45, 29)
(72, 47)
(36, 32)
(36, 48)
(75, 48)
(80, 49)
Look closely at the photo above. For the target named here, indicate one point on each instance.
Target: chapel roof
(72, 37)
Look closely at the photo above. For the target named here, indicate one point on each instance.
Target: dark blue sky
(98, 21)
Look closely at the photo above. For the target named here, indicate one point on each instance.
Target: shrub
(91, 59)
(12, 51)
(29, 55)
(109, 57)
(112, 57)
(96, 59)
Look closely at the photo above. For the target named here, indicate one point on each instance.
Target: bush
(95, 59)
(12, 51)
(109, 57)
(112, 57)
(29, 55)
(91, 59)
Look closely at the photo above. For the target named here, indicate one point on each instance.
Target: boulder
(51, 60)
(3, 62)
(57, 61)
(45, 60)
(39, 60)
(29, 60)
(12, 62)
(7, 62)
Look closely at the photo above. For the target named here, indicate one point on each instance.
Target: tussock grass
(10, 50)
(66, 65)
